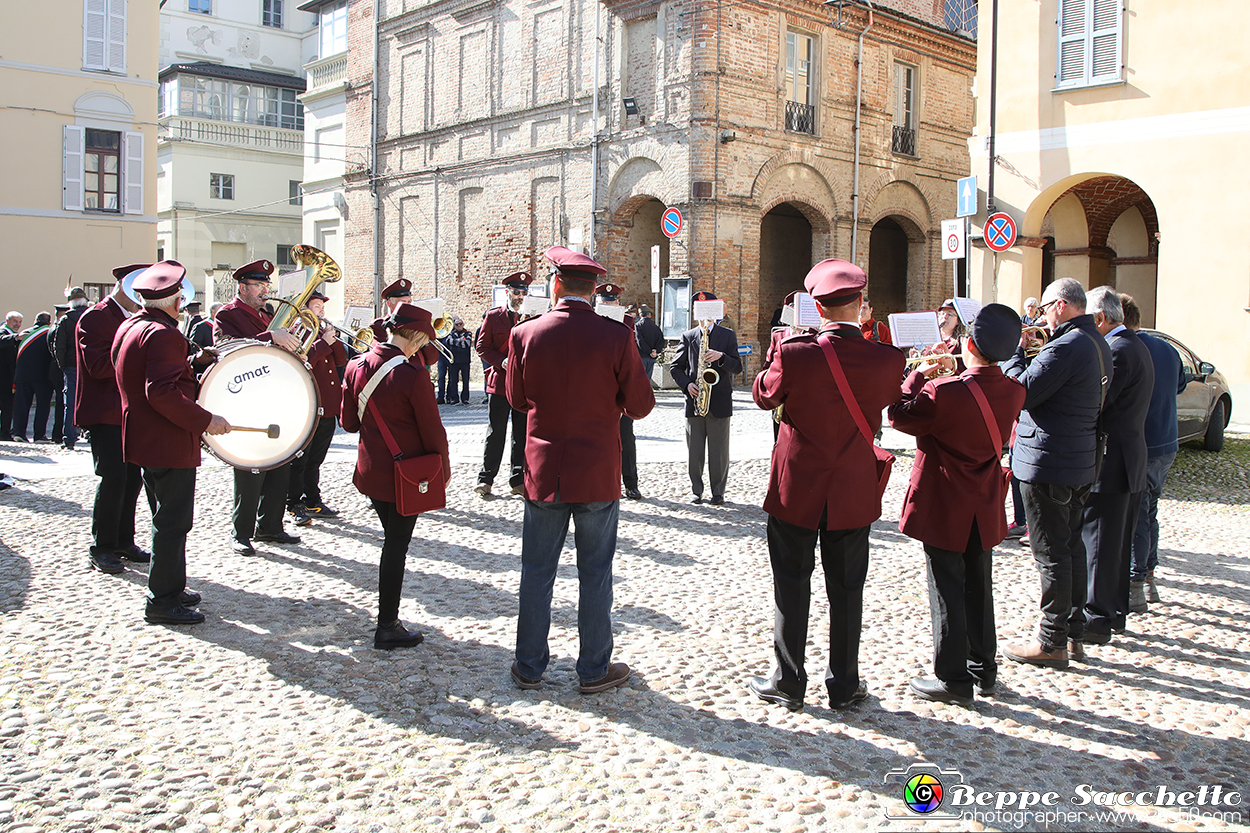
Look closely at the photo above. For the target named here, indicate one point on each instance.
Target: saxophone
(705, 377)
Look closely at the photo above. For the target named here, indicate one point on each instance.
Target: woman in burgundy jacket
(404, 400)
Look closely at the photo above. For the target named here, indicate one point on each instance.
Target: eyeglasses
(518, 290)
(255, 283)
(1042, 309)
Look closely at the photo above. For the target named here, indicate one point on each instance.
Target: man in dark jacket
(1111, 513)
(1161, 447)
(650, 339)
(1054, 460)
(460, 343)
(8, 362)
(63, 342)
(31, 380)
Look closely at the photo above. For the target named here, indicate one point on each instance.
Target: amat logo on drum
(236, 384)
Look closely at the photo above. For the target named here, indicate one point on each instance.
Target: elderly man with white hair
(1054, 459)
(1111, 513)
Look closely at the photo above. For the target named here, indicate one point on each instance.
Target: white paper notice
(668, 319)
(806, 314)
(967, 309)
(616, 313)
(356, 317)
(534, 305)
(910, 329)
(709, 310)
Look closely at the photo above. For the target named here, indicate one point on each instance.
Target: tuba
(292, 314)
(705, 377)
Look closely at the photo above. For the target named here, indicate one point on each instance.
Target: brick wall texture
(486, 152)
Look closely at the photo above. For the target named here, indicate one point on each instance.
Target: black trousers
(304, 484)
(844, 557)
(265, 492)
(1054, 514)
(1107, 534)
(58, 413)
(113, 513)
(499, 412)
(39, 393)
(6, 410)
(458, 372)
(398, 534)
(173, 491)
(629, 454)
(961, 602)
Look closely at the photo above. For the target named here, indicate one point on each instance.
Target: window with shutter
(1090, 41)
(94, 34)
(72, 168)
(117, 35)
(133, 176)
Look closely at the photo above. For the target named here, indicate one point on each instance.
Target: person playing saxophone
(708, 346)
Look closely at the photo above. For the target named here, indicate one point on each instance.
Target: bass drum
(256, 384)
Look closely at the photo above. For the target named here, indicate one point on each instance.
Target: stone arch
(808, 189)
(633, 228)
(98, 104)
(902, 272)
(803, 157)
(640, 176)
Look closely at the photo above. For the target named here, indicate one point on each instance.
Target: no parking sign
(1000, 232)
(670, 222)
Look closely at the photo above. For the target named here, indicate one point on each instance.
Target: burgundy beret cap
(518, 279)
(122, 271)
(160, 280)
(257, 270)
(401, 288)
(574, 264)
(834, 281)
(609, 290)
(411, 317)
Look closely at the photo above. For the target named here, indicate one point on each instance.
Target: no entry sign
(1000, 232)
(670, 222)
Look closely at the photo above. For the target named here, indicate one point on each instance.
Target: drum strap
(362, 401)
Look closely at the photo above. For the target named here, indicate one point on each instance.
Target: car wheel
(1214, 438)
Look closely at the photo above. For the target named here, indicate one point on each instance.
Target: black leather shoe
(717, 500)
(242, 546)
(763, 688)
(105, 561)
(136, 554)
(171, 615)
(283, 537)
(697, 499)
(1095, 638)
(858, 696)
(190, 598)
(939, 691)
(395, 635)
(633, 494)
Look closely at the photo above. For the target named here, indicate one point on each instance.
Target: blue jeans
(1146, 535)
(70, 431)
(542, 537)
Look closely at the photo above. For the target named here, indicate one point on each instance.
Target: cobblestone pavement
(277, 713)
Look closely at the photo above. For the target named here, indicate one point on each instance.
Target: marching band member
(492, 347)
(395, 293)
(98, 410)
(326, 356)
(259, 499)
(574, 373)
(823, 483)
(161, 428)
(708, 434)
(404, 397)
(954, 502)
(778, 335)
(608, 295)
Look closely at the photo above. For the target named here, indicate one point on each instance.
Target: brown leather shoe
(618, 673)
(1035, 654)
(1076, 650)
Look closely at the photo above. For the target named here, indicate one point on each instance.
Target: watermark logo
(236, 384)
(923, 793)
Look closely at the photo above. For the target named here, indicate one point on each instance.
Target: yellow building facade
(77, 148)
(1121, 133)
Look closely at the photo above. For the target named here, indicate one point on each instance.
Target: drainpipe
(859, 95)
(373, 164)
(594, 140)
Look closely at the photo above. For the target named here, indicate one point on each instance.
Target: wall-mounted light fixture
(631, 106)
(727, 136)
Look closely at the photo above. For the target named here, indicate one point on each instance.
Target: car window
(1187, 358)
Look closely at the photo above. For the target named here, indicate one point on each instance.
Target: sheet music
(616, 313)
(535, 305)
(787, 316)
(806, 314)
(911, 329)
(967, 308)
(434, 305)
(355, 317)
(291, 284)
(709, 310)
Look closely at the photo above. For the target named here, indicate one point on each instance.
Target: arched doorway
(895, 252)
(641, 218)
(785, 259)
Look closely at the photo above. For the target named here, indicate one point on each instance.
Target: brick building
(741, 115)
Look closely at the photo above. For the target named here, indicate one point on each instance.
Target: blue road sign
(966, 196)
(745, 349)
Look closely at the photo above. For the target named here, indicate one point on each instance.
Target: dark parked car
(1205, 406)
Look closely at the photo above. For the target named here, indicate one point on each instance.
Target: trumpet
(1035, 339)
(942, 370)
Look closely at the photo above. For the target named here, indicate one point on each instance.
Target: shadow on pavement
(16, 579)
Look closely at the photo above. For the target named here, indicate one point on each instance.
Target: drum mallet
(272, 431)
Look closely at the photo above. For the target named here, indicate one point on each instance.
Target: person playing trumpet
(708, 433)
(326, 356)
(954, 502)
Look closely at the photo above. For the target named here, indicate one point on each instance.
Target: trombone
(359, 340)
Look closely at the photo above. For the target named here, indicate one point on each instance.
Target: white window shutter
(117, 35)
(73, 139)
(1105, 40)
(94, 27)
(133, 201)
(1071, 68)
